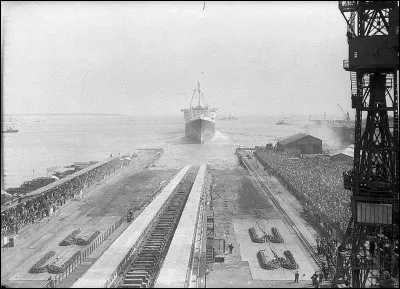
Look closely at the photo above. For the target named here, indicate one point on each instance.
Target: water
(47, 141)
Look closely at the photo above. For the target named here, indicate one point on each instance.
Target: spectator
(317, 182)
(13, 218)
(372, 249)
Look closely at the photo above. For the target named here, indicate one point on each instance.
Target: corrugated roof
(293, 138)
(347, 151)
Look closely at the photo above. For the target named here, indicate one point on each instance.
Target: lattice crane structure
(373, 38)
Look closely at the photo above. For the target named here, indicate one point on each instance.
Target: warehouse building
(301, 143)
(346, 154)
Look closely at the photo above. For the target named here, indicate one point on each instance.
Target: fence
(70, 267)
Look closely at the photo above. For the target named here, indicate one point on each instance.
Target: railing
(83, 256)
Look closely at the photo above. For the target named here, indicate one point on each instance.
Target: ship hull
(200, 130)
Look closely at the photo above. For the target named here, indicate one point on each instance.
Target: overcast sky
(144, 58)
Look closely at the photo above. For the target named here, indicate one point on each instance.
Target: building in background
(346, 154)
(300, 143)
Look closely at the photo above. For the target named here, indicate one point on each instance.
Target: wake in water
(219, 138)
(178, 139)
(220, 135)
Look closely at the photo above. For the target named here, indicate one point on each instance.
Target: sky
(145, 58)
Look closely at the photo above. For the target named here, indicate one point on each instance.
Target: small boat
(10, 130)
(283, 122)
(231, 117)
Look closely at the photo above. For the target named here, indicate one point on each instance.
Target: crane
(373, 39)
(346, 115)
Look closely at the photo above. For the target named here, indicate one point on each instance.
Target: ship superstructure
(200, 119)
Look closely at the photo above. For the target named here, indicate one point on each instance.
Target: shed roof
(294, 138)
(347, 152)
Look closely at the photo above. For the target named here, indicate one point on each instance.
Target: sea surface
(50, 141)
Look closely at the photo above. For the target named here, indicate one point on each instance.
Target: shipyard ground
(238, 202)
(99, 209)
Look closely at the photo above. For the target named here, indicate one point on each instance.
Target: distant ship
(9, 130)
(230, 117)
(199, 120)
(283, 122)
(343, 130)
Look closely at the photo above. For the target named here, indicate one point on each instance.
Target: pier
(184, 223)
(170, 241)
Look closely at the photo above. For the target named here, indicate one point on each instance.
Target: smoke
(330, 140)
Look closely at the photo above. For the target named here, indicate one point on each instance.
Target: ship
(230, 117)
(283, 122)
(342, 130)
(200, 119)
(9, 130)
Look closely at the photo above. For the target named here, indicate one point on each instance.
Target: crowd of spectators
(317, 182)
(327, 248)
(34, 207)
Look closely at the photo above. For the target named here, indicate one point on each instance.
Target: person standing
(372, 248)
(51, 282)
(230, 248)
(296, 277)
(314, 279)
(325, 273)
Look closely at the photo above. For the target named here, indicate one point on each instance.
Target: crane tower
(373, 38)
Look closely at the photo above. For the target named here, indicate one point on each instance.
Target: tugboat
(200, 119)
(283, 122)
